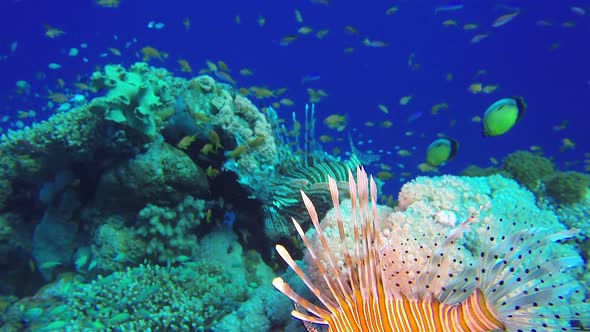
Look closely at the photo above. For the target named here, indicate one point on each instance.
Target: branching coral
(170, 231)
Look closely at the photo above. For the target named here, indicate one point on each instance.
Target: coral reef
(195, 295)
(567, 187)
(170, 232)
(528, 169)
(162, 175)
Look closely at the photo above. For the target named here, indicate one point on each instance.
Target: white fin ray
(284, 288)
(319, 266)
(332, 266)
(347, 258)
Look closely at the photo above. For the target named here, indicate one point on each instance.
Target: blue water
(518, 57)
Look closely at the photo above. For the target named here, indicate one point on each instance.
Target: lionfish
(504, 293)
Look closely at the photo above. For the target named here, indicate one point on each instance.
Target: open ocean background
(542, 55)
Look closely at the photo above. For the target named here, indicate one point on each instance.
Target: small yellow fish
(326, 138)
(287, 40)
(543, 23)
(384, 175)
(567, 144)
(225, 77)
(500, 21)
(476, 119)
(186, 141)
(336, 121)
(211, 172)
(404, 153)
(207, 148)
(561, 126)
(305, 30)
(489, 88)
(108, 3)
(386, 124)
(261, 92)
(214, 139)
(321, 33)
(477, 38)
(475, 88)
(315, 96)
(53, 32)
(374, 43)
(440, 106)
(185, 66)
(246, 72)
(223, 66)
(405, 100)
(261, 21)
(286, 102)
(24, 114)
(383, 108)
(350, 29)
(280, 91)
(391, 10)
(238, 151)
(211, 66)
(385, 167)
(298, 16)
(187, 23)
(237, 19)
(58, 97)
(470, 26)
(81, 86)
(150, 52)
(449, 23)
(424, 167)
(370, 124)
(115, 51)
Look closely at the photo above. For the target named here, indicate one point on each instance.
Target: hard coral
(528, 169)
(162, 174)
(567, 187)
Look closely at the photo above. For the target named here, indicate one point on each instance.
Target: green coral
(528, 169)
(129, 101)
(567, 187)
(156, 298)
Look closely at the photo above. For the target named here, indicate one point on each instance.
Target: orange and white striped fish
(501, 292)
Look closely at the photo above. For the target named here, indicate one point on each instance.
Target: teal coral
(193, 296)
(133, 97)
(170, 232)
(157, 298)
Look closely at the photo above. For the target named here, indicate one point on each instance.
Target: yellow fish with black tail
(441, 150)
(502, 115)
